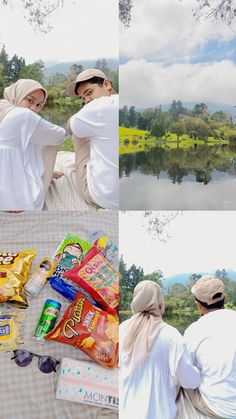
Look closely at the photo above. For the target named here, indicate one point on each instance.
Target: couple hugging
(155, 359)
(29, 144)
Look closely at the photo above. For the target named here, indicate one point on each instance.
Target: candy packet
(14, 270)
(105, 246)
(89, 383)
(11, 329)
(90, 329)
(70, 251)
(97, 277)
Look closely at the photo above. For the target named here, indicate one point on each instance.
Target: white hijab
(147, 306)
(16, 92)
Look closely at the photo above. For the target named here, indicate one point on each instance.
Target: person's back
(99, 120)
(212, 343)
(23, 134)
(150, 390)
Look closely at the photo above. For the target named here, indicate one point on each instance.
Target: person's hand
(57, 175)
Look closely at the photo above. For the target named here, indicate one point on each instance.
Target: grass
(67, 145)
(133, 140)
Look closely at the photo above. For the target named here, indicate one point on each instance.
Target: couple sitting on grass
(29, 143)
(157, 363)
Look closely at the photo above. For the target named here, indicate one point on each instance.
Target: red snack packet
(97, 277)
(90, 329)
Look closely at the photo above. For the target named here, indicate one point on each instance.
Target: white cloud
(200, 241)
(82, 29)
(165, 30)
(145, 84)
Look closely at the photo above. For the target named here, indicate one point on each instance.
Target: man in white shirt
(211, 341)
(95, 138)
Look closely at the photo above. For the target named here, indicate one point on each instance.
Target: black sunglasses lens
(47, 364)
(22, 358)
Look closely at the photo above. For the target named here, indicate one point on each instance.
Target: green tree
(124, 117)
(223, 275)
(74, 70)
(197, 128)
(178, 128)
(159, 123)
(125, 7)
(201, 110)
(176, 109)
(15, 66)
(193, 279)
(125, 293)
(132, 116)
(4, 61)
(135, 275)
(57, 79)
(155, 276)
(33, 71)
(2, 80)
(218, 10)
(102, 65)
(37, 13)
(221, 117)
(176, 289)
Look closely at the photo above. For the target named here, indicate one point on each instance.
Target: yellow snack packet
(14, 270)
(10, 329)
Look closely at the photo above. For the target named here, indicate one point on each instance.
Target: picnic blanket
(63, 193)
(27, 393)
(185, 409)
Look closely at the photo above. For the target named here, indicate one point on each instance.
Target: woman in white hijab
(153, 359)
(24, 176)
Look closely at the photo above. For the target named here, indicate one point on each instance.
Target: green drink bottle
(47, 319)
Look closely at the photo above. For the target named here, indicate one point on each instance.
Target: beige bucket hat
(208, 286)
(83, 76)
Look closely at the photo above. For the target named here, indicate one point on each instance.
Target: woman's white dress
(22, 135)
(149, 391)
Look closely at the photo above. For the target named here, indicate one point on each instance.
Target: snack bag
(10, 329)
(90, 329)
(105, 246)
(70, 252)
(89, 383)
(98, 277)
(14, 270)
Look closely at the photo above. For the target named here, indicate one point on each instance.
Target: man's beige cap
(83, 76)
(206, 287)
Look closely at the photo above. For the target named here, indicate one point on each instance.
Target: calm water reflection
(181, 322)
(201, 177)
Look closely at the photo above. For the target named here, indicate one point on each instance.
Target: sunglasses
(46, 364)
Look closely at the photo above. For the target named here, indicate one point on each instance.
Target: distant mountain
(182, 278)
(213, 107)
(64, 67)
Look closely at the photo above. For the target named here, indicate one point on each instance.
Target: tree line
(14, 68)
(197, 123)
(178, 296)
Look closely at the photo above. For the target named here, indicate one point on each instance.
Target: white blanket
(185, 409)
(63, 194)
(27, 393)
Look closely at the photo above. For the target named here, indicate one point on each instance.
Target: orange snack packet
(98, 278)
(90, 329)
(14, 270)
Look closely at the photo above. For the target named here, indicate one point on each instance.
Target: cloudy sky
(83, 29)
(166, 55)
(199, 241)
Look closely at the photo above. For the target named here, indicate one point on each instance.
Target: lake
(200, 177)
(181, 322)
(59, 114)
